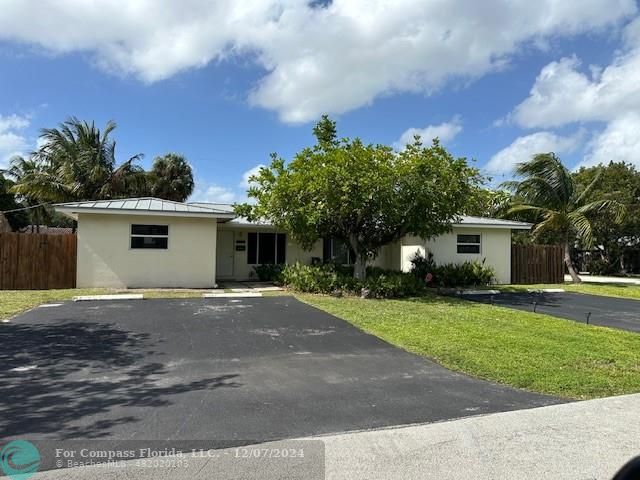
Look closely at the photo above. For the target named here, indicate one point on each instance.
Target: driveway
(234, 370)
(611, 312)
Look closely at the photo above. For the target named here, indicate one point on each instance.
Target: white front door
(224, 254)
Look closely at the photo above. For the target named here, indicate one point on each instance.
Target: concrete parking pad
(245, 370)
(622, 313)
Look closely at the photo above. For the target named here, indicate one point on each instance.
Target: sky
(226, 83)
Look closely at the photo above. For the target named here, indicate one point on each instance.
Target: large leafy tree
(549, 195)
(486, 202)
(171, 178)
(366, 195)
(619, 181)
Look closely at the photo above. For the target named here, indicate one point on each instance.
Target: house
(148, 242)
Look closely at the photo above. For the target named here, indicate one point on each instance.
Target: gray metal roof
(141, 205)
(464, 220)
(224, 210)
(223, 207)
(491, 222)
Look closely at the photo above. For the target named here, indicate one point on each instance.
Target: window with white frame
(265, 248)
(468, 243)
(150, 236)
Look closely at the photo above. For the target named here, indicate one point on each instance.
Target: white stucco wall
(105, 258)
(495, 248)
(294, 253)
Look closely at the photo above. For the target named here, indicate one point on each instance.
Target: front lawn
(605, 289)
(526, 350)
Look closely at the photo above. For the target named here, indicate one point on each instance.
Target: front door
(224, 254)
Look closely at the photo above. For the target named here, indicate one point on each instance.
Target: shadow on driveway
(53, 374)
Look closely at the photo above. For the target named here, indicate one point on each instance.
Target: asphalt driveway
(240, 370)
(622, 313)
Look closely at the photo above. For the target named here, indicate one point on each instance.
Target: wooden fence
(37, 261)
(537, 264)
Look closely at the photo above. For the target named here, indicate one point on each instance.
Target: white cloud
(331, 59)
(567, 92)
(445, 132)
(12, 140)
(523, 148)
(620, 141)
(246, 175)
(207, 192)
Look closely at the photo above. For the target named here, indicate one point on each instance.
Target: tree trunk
(360, 267)
(567, 260)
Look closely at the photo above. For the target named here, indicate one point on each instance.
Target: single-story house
(149, 242)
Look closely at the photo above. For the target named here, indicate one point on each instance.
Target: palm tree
(548, 193)
(171, 178)
(82, 160)
(34, 187)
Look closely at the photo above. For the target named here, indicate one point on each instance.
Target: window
(336, 250)
(266, 248)
(150, 236)
(468, 243)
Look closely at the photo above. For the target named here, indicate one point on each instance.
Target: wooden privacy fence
(537, 264)
(37, 261)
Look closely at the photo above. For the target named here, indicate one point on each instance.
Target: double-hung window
(266, 248)
(468, 243)
(150, 236)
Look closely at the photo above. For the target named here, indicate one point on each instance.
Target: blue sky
(227, 83)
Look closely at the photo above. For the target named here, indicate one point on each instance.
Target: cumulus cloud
(12, 138)
(619, 141)
(208, 192)
(567, 92)
(316, 59)
(523, 148)
(564, 93)
(245, 183)
(445, 132)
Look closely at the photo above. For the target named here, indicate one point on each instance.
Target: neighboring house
(148, 242)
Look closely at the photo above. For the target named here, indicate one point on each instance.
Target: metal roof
(157, 206)
(141, 206)
(466, 220)
(463, 220)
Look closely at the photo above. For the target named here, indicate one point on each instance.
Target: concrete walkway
(602, 279)
(576, 441)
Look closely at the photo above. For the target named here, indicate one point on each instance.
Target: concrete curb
(480, 292)
(545, 290)
(232, 295)
(121, 296)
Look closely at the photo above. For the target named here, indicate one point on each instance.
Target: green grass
(526, 350)
(604, 289)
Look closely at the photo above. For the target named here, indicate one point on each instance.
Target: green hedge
(451, 274)
(333, 279)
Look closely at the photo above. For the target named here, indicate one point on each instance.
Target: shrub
(451, 274)
(268, 272)
(329, 278)
(394, 285)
